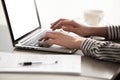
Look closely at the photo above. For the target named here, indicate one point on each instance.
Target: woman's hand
(71, 26)
(82, 30)
(62, 38)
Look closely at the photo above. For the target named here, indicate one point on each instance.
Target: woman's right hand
(63, 39)
(71, 26)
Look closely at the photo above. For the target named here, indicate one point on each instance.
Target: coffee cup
(93, 17)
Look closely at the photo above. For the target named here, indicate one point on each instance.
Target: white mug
(93, 17)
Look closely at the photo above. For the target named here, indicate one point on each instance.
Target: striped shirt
(104, 50)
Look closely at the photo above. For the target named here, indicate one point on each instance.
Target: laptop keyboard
(35, 42)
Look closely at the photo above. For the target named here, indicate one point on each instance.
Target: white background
(52, 10)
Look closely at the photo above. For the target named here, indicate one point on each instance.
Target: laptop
(25, 27)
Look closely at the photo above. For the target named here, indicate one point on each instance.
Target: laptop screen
(22, 16)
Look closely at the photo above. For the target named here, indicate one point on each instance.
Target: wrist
(88, 31)
(79, 42)
(91, 31)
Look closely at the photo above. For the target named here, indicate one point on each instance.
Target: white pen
(31, 63)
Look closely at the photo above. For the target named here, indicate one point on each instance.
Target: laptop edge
(16, 42)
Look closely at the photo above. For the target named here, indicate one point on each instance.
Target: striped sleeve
(102, 50)
(113, 32)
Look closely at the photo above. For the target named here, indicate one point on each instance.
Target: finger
(66, 23)
(68, 28)
(48, 35)
(50, 41)
(71, 23)
(57, 22)
(53, 24)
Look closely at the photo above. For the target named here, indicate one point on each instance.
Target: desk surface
(91, 68)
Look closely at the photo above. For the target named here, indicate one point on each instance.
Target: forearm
(109, 32)
(98, 31)
(102, 50)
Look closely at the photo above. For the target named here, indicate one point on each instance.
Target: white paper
(70, 64)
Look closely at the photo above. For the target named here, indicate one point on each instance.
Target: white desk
(91, 70)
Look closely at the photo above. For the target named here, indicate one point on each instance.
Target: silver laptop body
(25, 26)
